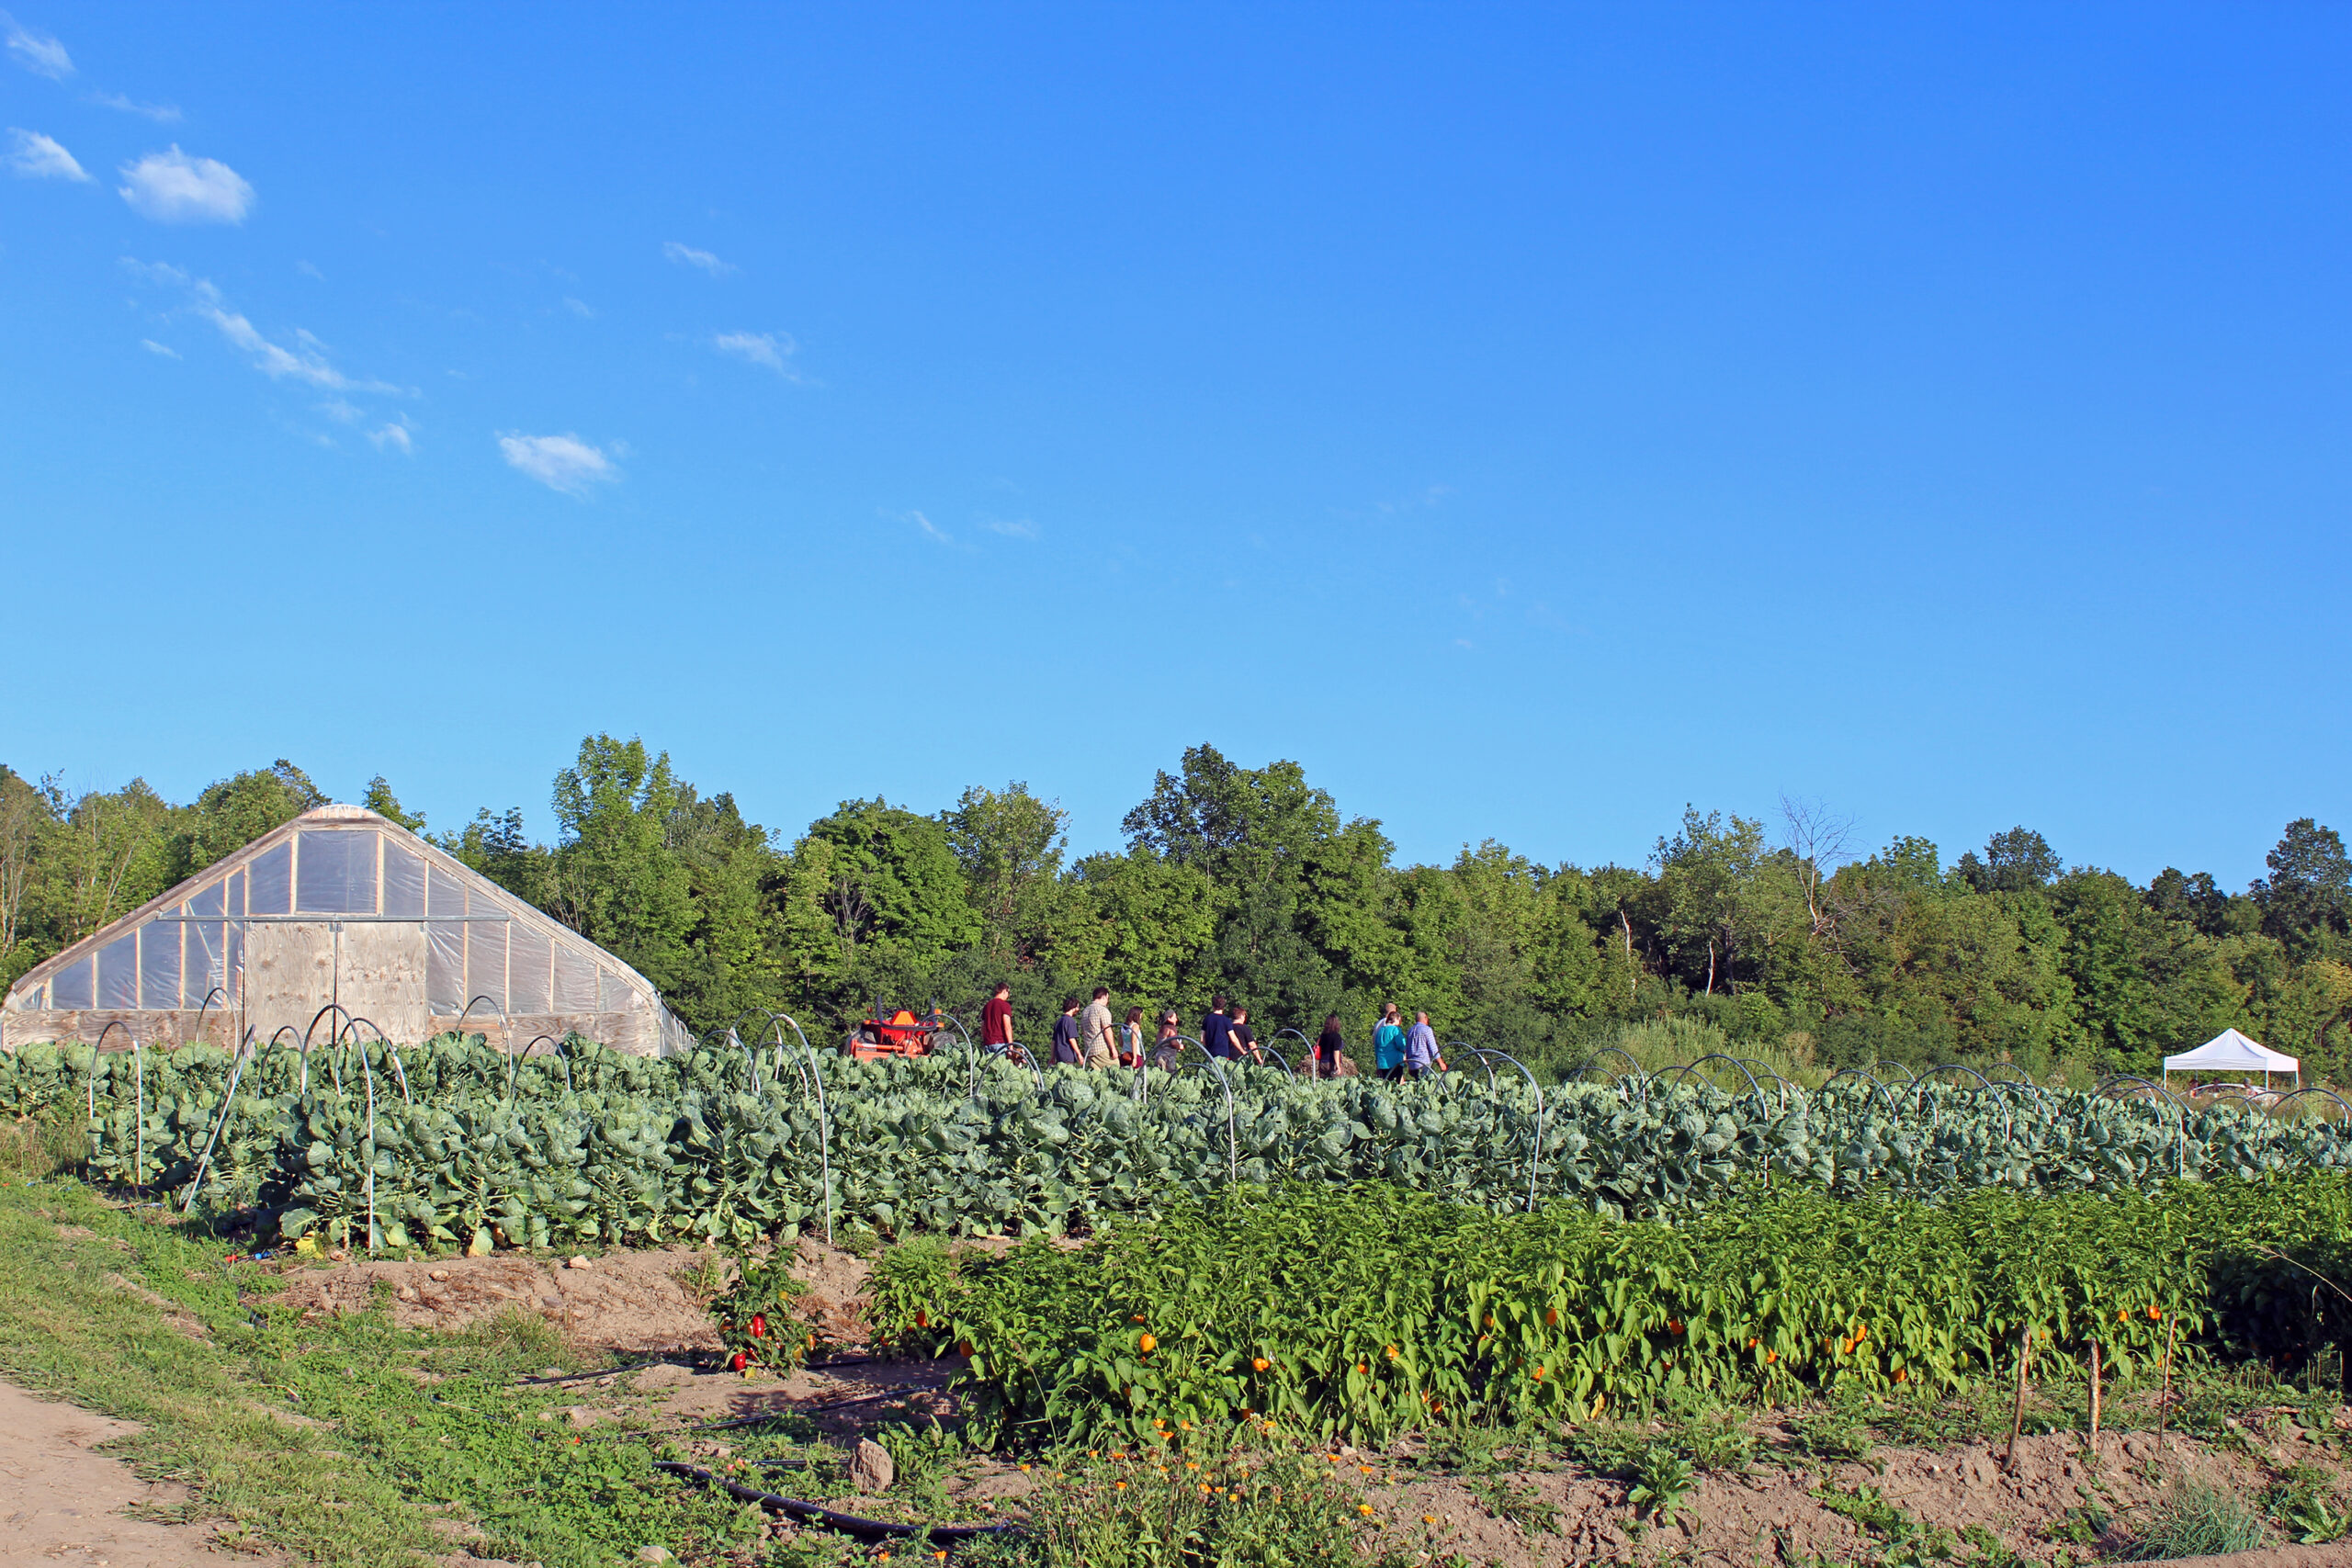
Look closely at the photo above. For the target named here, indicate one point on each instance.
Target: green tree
(613, 877)
(1709, 911)
(108, 852)
(734, 959)
(380, 800)
(2306, 900)
(2019, 861)
(2145, 985)
(234, 812)
(895, 878)
(1009, 845)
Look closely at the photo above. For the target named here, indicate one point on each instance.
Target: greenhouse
(341, 915)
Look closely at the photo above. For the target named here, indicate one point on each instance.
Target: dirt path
(64, 1502)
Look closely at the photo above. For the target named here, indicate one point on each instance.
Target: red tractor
(900, 1034)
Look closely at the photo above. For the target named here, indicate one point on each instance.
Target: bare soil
(63, 1500)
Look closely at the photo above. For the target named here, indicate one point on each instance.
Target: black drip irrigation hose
(847, 1524)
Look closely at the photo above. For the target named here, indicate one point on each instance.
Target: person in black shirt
(1243, 1038)
(1330, 1046)
(1068, 1051)
(1216, 1028)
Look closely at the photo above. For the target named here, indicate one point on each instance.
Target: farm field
(1732, 1327)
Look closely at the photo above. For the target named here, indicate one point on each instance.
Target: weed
(1992, 1552)
(921, 1458)
(35, 1151)
(1256, 1506)
(705, 1277)
(1516, 1502)
(1469, 1448)
(2304, 1502)
(1714, 1439)
(1662, 1482)
(1609, 1448)
(2081, 1525)
(2198, 1520)
(1839, 1431)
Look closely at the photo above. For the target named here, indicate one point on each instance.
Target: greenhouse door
(373, 969)
(289, 976)
(380, 976)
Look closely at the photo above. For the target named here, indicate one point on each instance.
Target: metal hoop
(392, 1051)
(1919, 1094)
(824, 1118)
(207, 1006)
(1686, 1068)
(228, 1097)
(1876, 1088)
(2331, 1094)
(1535, 1148)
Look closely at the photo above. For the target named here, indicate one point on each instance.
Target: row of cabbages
(473, 1148)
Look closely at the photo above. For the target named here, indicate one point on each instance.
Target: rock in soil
(870, 1467)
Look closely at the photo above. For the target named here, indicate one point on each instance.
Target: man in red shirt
(996, 1019)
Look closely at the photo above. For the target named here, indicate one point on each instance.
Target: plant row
(453, 1144)
(1361, 1314)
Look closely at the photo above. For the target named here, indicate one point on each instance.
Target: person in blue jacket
(1421, 1057)
(1388, 1044)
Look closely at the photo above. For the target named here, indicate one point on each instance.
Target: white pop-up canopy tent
(2230, 1052)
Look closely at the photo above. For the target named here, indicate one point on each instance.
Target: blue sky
(1530, 420)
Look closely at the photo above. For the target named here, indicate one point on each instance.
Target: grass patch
(1274, 1507)
(335, 1437)
(2196, 1519)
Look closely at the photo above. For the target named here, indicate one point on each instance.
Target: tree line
(1782, 935)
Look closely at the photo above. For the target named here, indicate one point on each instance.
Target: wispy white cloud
(924, 525)
(579, 308)
(173, 187)
(162, 114)
(310, 269)
(33, 156)
(687, 256)
(37, 52)
(770, 351)
(152, 346)
(562, 462)
(341, 411)
(306, 361)
(1012, 528)
(394, 437)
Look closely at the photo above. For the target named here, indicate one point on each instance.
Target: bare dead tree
(1819, 839)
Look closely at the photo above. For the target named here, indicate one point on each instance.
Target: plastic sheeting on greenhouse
(337, 920)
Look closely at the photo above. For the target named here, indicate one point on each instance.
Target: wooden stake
(2017, 1413)
(2094, 1397)
(2164, 1400)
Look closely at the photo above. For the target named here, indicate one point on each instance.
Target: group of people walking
(1086, 1036)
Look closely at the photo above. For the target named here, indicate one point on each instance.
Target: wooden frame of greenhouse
(347, 913)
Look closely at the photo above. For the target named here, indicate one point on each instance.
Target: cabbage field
(451, 1145)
